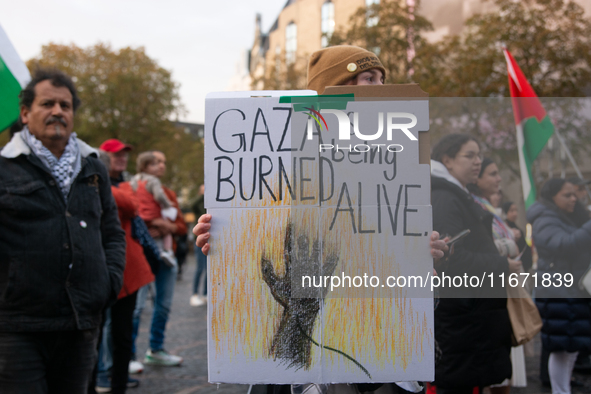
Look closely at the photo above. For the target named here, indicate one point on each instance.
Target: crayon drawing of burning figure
(261, 317)
(292, 342)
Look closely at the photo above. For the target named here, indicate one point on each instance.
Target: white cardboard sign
(311, 244)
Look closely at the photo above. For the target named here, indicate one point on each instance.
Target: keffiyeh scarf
(499, 228)
(66, 168)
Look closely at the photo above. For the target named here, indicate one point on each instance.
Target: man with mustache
(63, 249)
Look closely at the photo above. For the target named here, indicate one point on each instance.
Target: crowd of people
(83, 247)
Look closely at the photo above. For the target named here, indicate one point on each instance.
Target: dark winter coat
(474, 333)
(61, 262)
(563, 248)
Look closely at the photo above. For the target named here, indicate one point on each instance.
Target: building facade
(302, 27)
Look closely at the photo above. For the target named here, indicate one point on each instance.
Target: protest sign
(319, 264)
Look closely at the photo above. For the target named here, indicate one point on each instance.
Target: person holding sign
(340, 65)
(474, 333)
(333, 66)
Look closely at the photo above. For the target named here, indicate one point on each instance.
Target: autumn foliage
(126, 95)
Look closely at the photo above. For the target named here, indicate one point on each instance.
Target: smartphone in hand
(457, 237)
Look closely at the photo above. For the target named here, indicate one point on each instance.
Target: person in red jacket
(137, 270)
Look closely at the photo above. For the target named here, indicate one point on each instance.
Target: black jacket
(474, 333)
(563, 248)
(60, 263)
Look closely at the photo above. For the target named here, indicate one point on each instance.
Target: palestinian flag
(14, 75)
(533, 124)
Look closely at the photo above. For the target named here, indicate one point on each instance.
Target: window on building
(278, 57)
(291, 42)
(327, 26)
(277, 64)
(372, 21)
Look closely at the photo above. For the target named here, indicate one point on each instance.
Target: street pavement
(186, 336)
(532, 365)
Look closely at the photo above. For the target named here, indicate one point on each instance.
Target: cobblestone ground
(186, 336)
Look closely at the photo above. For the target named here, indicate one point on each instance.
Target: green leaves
(550, 39)
(382, 28)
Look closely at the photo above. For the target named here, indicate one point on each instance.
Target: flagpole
(571, 158)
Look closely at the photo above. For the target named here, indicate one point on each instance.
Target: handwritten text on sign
(266, 153)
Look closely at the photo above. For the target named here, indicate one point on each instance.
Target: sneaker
(168, 258)
(197, 300)
(162, 357)
(135, 367)
(132, 383)
(103, 383)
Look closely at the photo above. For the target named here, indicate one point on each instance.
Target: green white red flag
(14, 75)
(534, 127)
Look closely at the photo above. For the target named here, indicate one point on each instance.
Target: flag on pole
(534, 127)
(14, 75)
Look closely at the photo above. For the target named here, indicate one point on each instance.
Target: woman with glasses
(472, 325)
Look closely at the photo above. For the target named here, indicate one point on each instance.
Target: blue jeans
(201, 269)
(164, 284)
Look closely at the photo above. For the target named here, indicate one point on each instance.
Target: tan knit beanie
(333, 66)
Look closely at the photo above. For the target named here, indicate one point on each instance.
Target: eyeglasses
(473, 156)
